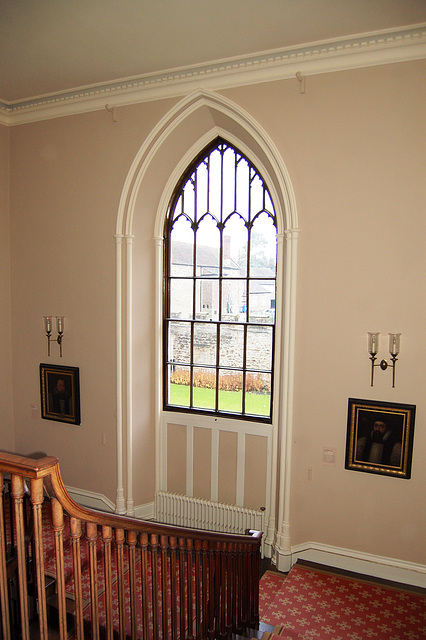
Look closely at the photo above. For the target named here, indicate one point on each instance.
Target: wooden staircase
(114, 577)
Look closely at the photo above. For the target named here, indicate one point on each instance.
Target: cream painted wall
(6, 398)
(353, 147)
(66, 180)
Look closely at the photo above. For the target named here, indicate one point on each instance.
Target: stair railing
(116, 577)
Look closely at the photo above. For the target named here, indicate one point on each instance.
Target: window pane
(215, 189)
(234, 300)
(182, 248)
(231, 345)
(256, 195)
(207, 299)
(235, 240)
(258, 394)
(243, 182)
(205, 339)
(202, 207)
(268, 202)
(204, 389)
(231, 391)
(181, 298)
(259, 348)
(189, 199)
(208, 248)
(263, 247)
(179, 342)
(262, 301)
(228, 182)
(178, 385)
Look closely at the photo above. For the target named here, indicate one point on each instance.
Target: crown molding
(370, 49)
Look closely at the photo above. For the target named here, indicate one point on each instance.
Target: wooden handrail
(177, 582)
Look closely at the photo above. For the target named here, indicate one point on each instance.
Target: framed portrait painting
(380, 437)
(60, 393)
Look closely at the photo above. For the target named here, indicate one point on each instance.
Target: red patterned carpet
(311, 604)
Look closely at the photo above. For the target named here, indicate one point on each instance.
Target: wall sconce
(48, 323)
(373, 347)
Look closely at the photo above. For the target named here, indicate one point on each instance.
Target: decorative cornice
(380, 47)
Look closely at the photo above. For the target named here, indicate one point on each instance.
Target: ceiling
(49, 46)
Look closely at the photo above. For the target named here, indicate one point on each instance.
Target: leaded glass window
(220, 289)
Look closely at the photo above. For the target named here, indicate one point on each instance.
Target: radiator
(184, 511)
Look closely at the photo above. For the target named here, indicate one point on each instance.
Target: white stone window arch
(180, 135)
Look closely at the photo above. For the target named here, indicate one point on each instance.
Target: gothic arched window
(220, 289)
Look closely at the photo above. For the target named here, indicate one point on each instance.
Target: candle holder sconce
(373, 348)
(48, 324)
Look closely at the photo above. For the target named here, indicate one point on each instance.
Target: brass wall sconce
(48, 324)
(373, 347)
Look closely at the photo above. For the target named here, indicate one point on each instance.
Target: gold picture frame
(380, 437)
(60, 393)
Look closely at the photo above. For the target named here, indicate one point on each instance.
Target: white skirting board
(145, 511)
(91, 499)
(356, 561)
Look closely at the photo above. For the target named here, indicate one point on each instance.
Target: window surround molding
(237, 127)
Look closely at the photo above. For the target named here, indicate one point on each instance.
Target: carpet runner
(310, 604)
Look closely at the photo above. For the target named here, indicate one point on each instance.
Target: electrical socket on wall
(329, 455)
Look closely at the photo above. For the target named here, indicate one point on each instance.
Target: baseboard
(100, 502)
(356, 561)
(145, 511)
(91, 499)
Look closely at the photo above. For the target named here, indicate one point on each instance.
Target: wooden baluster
(143, 541)
(107, 538)
(3, 572)
(256, 573)
(205, 594)
(182, 572)
(250, 585)
(154, 577)
(239, 562)
(229, 589)
(198, 588)
(119, 541)
(173, 590)
(190, 588)
(223, 590)
(164, 580)
(234, 574)
(75, 535)
(245, 578)
(131, 541)
(11, 512)
(213, 570)
(58, 529)
(218, 589)
(92, 539)
(17, 497)
(37, 499)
